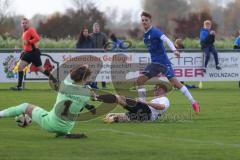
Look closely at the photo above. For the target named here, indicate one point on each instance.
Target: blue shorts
(154, 69)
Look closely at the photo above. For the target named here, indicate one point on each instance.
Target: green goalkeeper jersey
(71, 100)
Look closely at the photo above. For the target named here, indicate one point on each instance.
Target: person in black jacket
(84, 40)
(207, 39)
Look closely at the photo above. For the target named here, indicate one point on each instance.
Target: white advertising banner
(187, 68)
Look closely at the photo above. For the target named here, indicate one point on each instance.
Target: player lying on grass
(71, 100)
(138, 110)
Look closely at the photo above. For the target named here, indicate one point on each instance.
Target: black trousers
(138, 112)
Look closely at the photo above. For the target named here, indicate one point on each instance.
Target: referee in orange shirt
(31, 53)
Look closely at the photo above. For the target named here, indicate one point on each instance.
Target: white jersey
(155, 112)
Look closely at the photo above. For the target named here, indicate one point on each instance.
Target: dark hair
(113, 37)
(25, 19)
(80, 73)
(146, 14)
(82, 38)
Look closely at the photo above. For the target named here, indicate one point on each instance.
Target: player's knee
(20, 68)
(178, 85)
(140, 82)
(28, 108)
(143, 79)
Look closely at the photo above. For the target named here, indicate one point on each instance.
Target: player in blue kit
(160, 63)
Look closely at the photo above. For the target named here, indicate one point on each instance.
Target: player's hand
(212, 32)
(141, 101)
(177, 53)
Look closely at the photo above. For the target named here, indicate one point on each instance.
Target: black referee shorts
(33, 57)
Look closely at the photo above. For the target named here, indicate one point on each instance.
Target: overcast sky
(29, 8)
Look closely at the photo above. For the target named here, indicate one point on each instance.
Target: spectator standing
(207, 39)
(84, 40)
(99, 40)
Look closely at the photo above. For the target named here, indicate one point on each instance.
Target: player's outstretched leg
(186, 93)
(14, 111)
(122, 100)
(140, 87)
(53, 81)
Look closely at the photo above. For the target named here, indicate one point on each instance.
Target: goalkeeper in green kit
(71, 100)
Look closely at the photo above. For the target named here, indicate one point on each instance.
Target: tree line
(179, 18)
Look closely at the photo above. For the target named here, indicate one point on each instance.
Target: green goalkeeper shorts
(50, 122)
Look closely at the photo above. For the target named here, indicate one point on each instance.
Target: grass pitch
(214, 134)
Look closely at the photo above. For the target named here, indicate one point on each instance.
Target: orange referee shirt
(30, 38)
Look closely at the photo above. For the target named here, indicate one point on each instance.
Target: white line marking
(170, 138)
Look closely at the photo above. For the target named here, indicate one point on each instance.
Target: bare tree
(232, 13)
(199, 5)
(4, 9)
(75, 20)
(164, 11)
(81, 4)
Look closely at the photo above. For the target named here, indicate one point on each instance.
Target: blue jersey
(154, 43)
(206, 39)
(152, 39)
(204, 33)
(237, 41)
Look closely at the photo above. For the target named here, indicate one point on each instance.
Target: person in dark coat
(99, 41)
(84, 40)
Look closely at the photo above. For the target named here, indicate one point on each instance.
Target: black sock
(20, 78)
(46, 73)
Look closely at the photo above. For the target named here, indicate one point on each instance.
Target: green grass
(214, 134)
